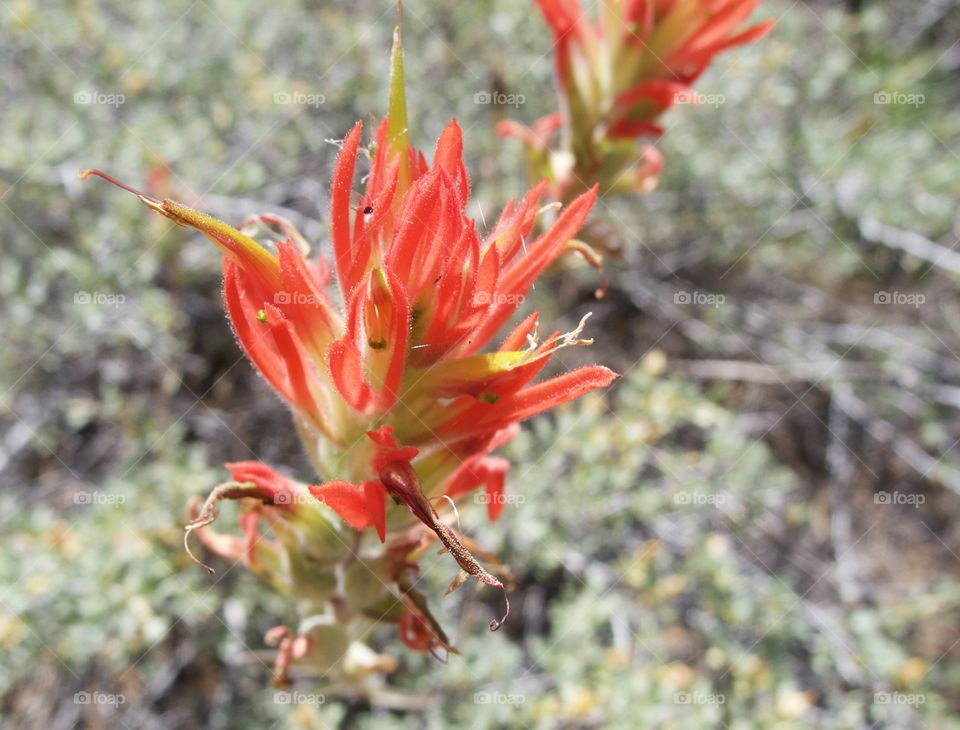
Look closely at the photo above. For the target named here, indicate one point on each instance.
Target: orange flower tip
(761, 29)
(606, 376)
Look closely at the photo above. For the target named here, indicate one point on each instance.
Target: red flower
(673, 40)
(392, 396)
(618, 75)
(424, 293)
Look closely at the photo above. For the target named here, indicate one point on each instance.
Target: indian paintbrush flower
(617, 75)
(396, 403)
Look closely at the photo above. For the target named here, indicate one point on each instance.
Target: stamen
(572, 338)
(194, 558)
(494, 624)
(151, 202)
(85, 174)
(209, 512)
(555, 205)
(594, 259)
(455, 512)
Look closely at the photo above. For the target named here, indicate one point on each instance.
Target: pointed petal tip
(610, 374)
(600, 375)
(586, 198)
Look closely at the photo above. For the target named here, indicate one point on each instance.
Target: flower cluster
(617, 75)
(391, 392)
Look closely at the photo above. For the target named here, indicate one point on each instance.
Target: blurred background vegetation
(753, 529)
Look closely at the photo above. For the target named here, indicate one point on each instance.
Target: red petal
(630, 129)
(256, 343)
(658, 92)
(295, 360)
(489, 471)
(542, 252)
(384, 437)
(346, 369)
(258, 473)
(495, 469)
(303, 301)
(717, 28)
(449, 157)
(250, 524)
(530, 401)
(376, 507)
(399, 332)
(517, 339)
(419, 219)
(341, 188)
(349, 501)
(517, 278)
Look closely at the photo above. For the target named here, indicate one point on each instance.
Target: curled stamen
(209, 512)
(194, 558)
(555, 205)
(494, 624)
(456, 513)
(594, 259)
